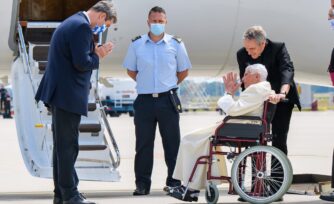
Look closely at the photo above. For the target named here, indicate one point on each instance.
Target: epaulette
(136, 38)
(179, 40)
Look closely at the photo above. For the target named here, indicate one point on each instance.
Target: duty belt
(157, 95)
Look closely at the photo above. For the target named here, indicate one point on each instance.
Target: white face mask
(331, 22)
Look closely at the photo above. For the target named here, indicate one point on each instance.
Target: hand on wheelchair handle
(277, 98)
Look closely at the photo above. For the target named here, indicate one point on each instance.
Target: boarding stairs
(194, 97)
(99, 156)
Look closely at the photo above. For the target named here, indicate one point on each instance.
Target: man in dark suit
(65, 88)
(275, 57)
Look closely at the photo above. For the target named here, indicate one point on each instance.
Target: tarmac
(310, 144)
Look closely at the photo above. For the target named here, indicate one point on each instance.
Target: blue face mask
(157, 28)
(332, 23)
(99, 29)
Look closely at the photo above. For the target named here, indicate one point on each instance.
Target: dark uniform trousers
(148, 112)
(280, 125)
(65, 127)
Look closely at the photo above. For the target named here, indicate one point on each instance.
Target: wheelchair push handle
(284, 100)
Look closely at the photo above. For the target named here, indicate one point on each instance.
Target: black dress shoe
(141, 191)
(78, 199)
(57, 200)
(327, 196)
(243, 200)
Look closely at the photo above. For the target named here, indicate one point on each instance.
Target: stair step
(40, 52)
(91, 106)
(42, 65)
(90, 127)
(92, 147)
(38, 35)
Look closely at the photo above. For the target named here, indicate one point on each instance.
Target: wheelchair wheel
(261, 174)
(213, 196)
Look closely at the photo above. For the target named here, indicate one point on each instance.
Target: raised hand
(230, 82)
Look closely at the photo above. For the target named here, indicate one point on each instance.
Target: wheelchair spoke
(277, 164)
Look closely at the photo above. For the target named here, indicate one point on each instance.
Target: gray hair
(255, 33)
(258, 69)
(106, 7)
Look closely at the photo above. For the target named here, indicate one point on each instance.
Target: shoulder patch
(136, 38)
(179, 40)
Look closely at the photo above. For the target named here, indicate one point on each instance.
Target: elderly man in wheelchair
(260, 173)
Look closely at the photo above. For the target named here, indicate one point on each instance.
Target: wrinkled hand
(230, 82)
(104, 50)
(275, 98)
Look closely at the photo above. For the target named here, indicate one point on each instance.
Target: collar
(148, 39)
(85, 13)
(266, 46)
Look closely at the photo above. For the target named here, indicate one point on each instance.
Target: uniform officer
(158, 62)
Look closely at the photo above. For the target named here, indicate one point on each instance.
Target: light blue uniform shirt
(156, 63)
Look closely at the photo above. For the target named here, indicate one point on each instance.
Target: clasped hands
(104, 49)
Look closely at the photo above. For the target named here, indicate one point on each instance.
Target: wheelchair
(260, 173)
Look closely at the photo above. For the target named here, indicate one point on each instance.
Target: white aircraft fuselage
(212, 31)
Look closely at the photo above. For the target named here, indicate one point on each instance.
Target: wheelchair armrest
(242, 119)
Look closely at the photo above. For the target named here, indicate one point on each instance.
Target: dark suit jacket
(71, 59)
(276, 59)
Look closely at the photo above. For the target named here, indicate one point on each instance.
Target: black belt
(157, 95)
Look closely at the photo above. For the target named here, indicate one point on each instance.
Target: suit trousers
(280, 125)
(65, 127)
(149, 112)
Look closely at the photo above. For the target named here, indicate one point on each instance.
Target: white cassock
(196, 143)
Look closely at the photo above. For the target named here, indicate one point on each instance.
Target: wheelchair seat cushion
(243, 127)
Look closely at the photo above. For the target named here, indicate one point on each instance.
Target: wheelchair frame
(242, 142)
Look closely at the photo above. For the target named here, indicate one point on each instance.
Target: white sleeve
(249, 100)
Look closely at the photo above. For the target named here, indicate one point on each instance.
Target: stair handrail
(24, 54)
(116, 162)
